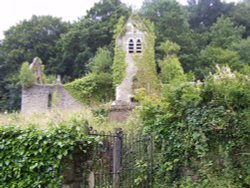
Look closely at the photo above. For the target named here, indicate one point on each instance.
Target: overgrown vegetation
(97, 86)
(201, 131)
(31, 157)
(201, 128)
(91, 89)
(171, 69)
(119, 65)
(201, 28)
(146, 76)
(26, 76)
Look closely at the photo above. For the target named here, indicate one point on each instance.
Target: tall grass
(43, 120)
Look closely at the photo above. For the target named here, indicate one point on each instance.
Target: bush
(204, 129)
(92, 88)
(30, 157)
(26, 76)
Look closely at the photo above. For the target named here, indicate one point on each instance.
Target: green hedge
(31, 157)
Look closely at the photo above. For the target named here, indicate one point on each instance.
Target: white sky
(14, 11)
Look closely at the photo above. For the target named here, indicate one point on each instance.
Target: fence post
(117, 149)
(151, 159)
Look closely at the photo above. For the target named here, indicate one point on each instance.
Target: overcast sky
(14, 11)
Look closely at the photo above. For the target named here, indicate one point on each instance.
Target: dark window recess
(131, 46)
(133, 100)
(49, 100)
(138, 46)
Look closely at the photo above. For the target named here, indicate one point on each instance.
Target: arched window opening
(138, 46)
(131, 46)
(49, 100)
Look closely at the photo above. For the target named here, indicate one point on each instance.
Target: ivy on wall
(31, 157)
(201, 131)
(146, 76)
(92, 88)
(119, 28)
(119, 64)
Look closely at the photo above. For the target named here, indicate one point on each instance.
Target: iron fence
(122, 160)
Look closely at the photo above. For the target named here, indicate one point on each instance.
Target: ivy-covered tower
(134, 62)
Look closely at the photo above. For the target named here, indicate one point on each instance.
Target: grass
(99, 123)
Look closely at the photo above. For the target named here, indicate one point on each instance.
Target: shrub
(31, 157)
(26, 76)
(204, 129)
(92, 88)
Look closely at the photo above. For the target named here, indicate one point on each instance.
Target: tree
(241, 16)
(31, 38)
(102, 62)
(205, 12)
(169, 17)
(93, 31)
(211, 56)
(171, 23)
(97, 86)
(24, 41)
(171, 69)
(243, 48)
(223, 33)
(2, 89)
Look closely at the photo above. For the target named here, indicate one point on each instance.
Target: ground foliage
(201, 131)
(31, 157)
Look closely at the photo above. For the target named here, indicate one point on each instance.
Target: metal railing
(122, 161)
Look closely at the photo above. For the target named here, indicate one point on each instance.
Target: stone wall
(44, 98)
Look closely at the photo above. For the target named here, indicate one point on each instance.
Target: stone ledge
(120, 110)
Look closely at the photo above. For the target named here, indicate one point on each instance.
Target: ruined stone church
(42, 98)
(138, 46)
